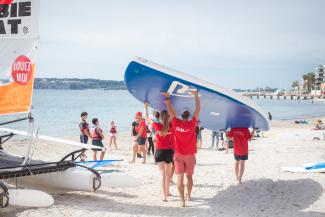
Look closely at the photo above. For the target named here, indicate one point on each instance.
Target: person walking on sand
(97, 137)
(198, 130)
(84, 132)
(134, 135)
(112, 136)
(240, 137)
(215, 138)
(185, 144)
(150, 135)
(164, 149)
(141, 138)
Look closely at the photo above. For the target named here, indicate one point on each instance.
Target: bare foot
(169, 194)
(238, 182)
(165, 200)
(143, 162)
(182, 203)
(131, 161)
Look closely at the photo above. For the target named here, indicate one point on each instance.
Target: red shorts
(184, 164)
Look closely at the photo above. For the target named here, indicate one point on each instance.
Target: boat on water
(18, 48)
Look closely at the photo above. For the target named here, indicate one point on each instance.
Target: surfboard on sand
(220, 108)
(306, 168)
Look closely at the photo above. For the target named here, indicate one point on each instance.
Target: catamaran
(19, 38)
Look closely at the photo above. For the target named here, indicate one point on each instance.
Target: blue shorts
(142, 140)
(83, 139)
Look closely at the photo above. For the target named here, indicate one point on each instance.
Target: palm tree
(295, 84)
(309, 79)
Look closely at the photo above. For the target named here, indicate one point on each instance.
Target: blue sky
(236, 44)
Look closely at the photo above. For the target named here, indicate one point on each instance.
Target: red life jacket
(94, 134)
(83, 125)
(113, 130)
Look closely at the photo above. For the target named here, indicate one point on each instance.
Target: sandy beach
(266, 191)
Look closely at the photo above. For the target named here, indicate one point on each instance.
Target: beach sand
(266, 191)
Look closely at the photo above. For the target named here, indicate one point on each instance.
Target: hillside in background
(77, 84)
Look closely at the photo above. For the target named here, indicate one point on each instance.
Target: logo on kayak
(179, 89)
(21, 70)
(12, 16)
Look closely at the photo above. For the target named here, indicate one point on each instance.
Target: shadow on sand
(252, 198)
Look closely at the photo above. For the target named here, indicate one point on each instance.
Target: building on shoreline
(320, 78)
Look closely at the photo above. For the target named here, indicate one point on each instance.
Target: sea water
(57, 112)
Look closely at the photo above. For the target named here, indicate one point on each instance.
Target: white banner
(19, 18)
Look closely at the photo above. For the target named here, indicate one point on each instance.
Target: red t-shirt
(241, 136)
(163, 142)
(142, 125)
(185, 136)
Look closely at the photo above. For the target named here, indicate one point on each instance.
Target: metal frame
(27, 169)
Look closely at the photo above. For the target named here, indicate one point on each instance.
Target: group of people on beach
(96, 134)
(176, 141)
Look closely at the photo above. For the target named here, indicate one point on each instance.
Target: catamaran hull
(75, 179)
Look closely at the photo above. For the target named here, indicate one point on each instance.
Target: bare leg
(139, 150)
(161, 166)
(168, 172)
(227, 147)
(144, 153)
(189, 187)
(200, 143)
(135, 151)
(95, 155)
(83, 156)
(180, 185)
(172, 173)
(114, 141)
(110, 142)
(212, 138)
(237, 169)
(102, 155)
(241, 170)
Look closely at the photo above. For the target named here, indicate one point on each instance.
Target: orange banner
(16, 98)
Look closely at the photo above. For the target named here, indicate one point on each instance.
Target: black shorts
(221, 136)
(99, 144)
(241, 157)
(164, 155)
(141, 141)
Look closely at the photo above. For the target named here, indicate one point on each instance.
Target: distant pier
(282, 96)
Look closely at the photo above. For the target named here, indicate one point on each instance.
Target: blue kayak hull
(221, 108)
